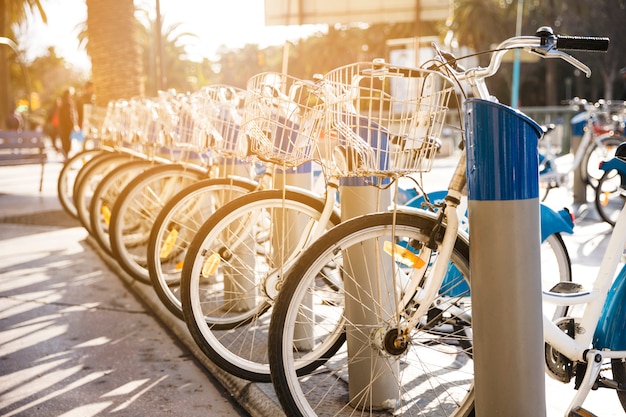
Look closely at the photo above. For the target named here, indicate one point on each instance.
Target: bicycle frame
(603, 322)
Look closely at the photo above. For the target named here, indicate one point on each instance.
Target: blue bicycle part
(611, 330)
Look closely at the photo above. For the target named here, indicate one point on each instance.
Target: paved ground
(80, 338)
(75, 340)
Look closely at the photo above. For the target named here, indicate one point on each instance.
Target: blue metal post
(504, 224)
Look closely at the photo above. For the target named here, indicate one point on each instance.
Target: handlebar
(544, 44)
(582, 43)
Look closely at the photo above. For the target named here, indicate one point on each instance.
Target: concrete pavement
(75, 340)
(78, 337)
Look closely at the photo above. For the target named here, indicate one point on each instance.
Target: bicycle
(610, 194)
(94, 123)
(600, 139)
(237, 341)
(181, 217)
(234, 265)
(140, 201)
(420, 332)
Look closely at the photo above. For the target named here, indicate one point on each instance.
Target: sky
(216, 22)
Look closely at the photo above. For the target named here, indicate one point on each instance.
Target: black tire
(589, 171)
(164, 265)
(610, 196)
(618, 366)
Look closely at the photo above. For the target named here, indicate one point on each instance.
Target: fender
(617, 164)
(555, 222)
(551, 221)
(611, 330)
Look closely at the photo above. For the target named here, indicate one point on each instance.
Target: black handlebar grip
(582, 43)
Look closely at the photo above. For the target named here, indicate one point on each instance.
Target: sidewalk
(74, 338)
(78, 337)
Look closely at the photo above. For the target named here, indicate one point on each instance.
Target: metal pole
(504, 224)
(366, 363)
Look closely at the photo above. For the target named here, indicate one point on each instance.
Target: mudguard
(611, 330)
(551, 221)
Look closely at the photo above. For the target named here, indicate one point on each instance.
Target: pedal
(580, 412)
(567, 287)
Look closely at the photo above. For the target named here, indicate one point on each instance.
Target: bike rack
(503, 191)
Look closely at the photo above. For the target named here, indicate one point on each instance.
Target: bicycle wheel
(177, 224)
(602, 149)
(610, 196)
(105, 195)
(88, 182)
(618, 366)
(67, 178)
(234, 267)
(136, 208)
(556, 266)
(427, 371)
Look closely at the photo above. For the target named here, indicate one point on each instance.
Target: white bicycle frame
(576, 349)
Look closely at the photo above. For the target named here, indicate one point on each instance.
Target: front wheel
(424, 370)
(233, 267)
(602, 149)
(137, 207)
(175, 227)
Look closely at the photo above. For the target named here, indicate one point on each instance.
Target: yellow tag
(169, 243)
(106, 213)
(179, 265)
(210, 265)
(605, 199)
(403, 255)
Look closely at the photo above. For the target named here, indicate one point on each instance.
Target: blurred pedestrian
(52, 122)
(87, 97)
(68, 120)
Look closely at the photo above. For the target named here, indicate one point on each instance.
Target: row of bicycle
(600, 126)
(236, 207)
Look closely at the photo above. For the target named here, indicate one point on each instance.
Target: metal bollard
(578, 130)
(503, 189)
(358, 199)
(240, 289)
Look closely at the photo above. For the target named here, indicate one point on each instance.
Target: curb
(256, 401)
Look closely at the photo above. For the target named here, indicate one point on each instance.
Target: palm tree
(12, 12)
(114, 50)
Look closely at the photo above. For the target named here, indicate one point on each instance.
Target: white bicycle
(411, 313)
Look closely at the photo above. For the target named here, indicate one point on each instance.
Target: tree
(113, 47)
(12, 12)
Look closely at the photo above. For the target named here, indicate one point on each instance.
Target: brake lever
(553, 53)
